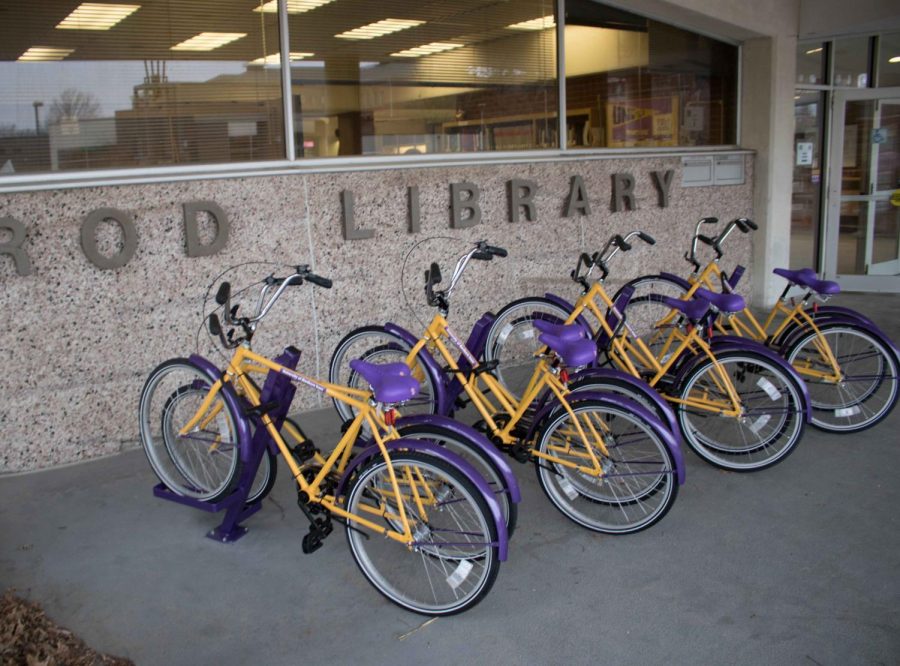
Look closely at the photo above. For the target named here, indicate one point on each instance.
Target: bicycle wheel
(867, 389)
(647, 319)
(512, 340)
(771, 421)
(468, 452)
(638, 484)
(204, 463)
(375, 345)
(622, 388)
(453, 560)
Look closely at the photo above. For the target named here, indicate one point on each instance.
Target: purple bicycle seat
(388, 385)
(694, 309)
(808, 278)
(561, 331)
(574, 353)
(722, 302)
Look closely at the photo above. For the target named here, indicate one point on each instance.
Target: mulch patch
(29, 638)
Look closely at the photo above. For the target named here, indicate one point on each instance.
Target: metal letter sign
(577, 198)
(458, 205)
(521, 196)
(350, 230)
(89, 237)
(13, 247)
(193, 245)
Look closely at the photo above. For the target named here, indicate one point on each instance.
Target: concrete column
(767, 126)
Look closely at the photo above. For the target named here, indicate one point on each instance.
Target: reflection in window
(889, 60)
(811, 63)
(632, 81)
(851, 62)
(138, 85)
(399, 77)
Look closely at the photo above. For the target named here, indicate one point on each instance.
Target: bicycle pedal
(312, 541)
(519, 453)
(304, 451)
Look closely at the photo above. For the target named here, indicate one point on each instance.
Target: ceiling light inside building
(37, 53)
(207, 41)
(895, 59)
(293, 6)
(427, 49)
(814, 51)
(534, 24)
(275, 58)
(379, 28)
(96, 16)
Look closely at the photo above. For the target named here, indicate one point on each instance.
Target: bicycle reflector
(390, 417)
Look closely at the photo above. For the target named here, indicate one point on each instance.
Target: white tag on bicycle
(758, 424)
(769, 388)
(459, 574)
(568, 488)
(526, 334)
(847, 411)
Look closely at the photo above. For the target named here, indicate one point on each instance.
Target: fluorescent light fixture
(96, 16)
(427, 49)
(379, 28)
(534, 24)
(207, 41)
(38, 53)
(293, 6)
(275, 58)
(814, 51)
(894, 60)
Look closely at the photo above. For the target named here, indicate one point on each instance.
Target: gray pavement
(799, 564)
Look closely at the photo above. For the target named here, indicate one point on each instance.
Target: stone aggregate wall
(77, 342)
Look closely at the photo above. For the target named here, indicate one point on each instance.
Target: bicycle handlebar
(248, 324)
(601, 258)
(441, 298)
(745, 224)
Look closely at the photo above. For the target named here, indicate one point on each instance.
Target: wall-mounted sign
(804, 153)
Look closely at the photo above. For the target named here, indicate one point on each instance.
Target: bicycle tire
(623, 388)
(454, 560)
(204, 464)
(643, 314)
(375, 345)
(639, 485)
(868, 389)
(772, 419)
(469, 452)
(512, 340)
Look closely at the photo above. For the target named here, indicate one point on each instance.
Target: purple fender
(478, 440)
(438, 452)
(729, 342)
(622, 402)
(431, 365)
(564, 304)
(641, 386)
(243, 424)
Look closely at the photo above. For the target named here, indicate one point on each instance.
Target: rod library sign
(465, 212)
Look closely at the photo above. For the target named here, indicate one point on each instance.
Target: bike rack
(277, 388)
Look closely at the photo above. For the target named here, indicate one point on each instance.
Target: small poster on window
(804, 153)
(642, 122)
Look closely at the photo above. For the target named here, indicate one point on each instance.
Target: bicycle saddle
(694, 309)
(389, 383)
(722, 302)
(808, 278)
(562, 331)
(574, 353)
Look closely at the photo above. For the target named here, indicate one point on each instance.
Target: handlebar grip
(587, 260)
(706, 239)
(215, 327)
(433, 274)
(483, 256)
(709, 220)
(496, 251)
(647, 238)
(224, 293)
(745, 222)
(319, 280)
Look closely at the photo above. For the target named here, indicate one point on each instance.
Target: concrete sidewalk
(794, 565)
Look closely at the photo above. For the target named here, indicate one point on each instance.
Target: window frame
(292, 165)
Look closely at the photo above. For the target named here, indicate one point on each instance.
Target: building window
(889, 60)
(143, 84)
(633, 82)
(811, 63)
(396, 77)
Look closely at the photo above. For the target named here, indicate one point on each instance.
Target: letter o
(89, 237)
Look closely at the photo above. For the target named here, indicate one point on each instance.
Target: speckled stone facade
(78, 341)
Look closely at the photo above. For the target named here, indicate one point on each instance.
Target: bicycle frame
(543, 384)
(245, 361)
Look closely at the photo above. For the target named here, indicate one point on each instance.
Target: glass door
(862, 242)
